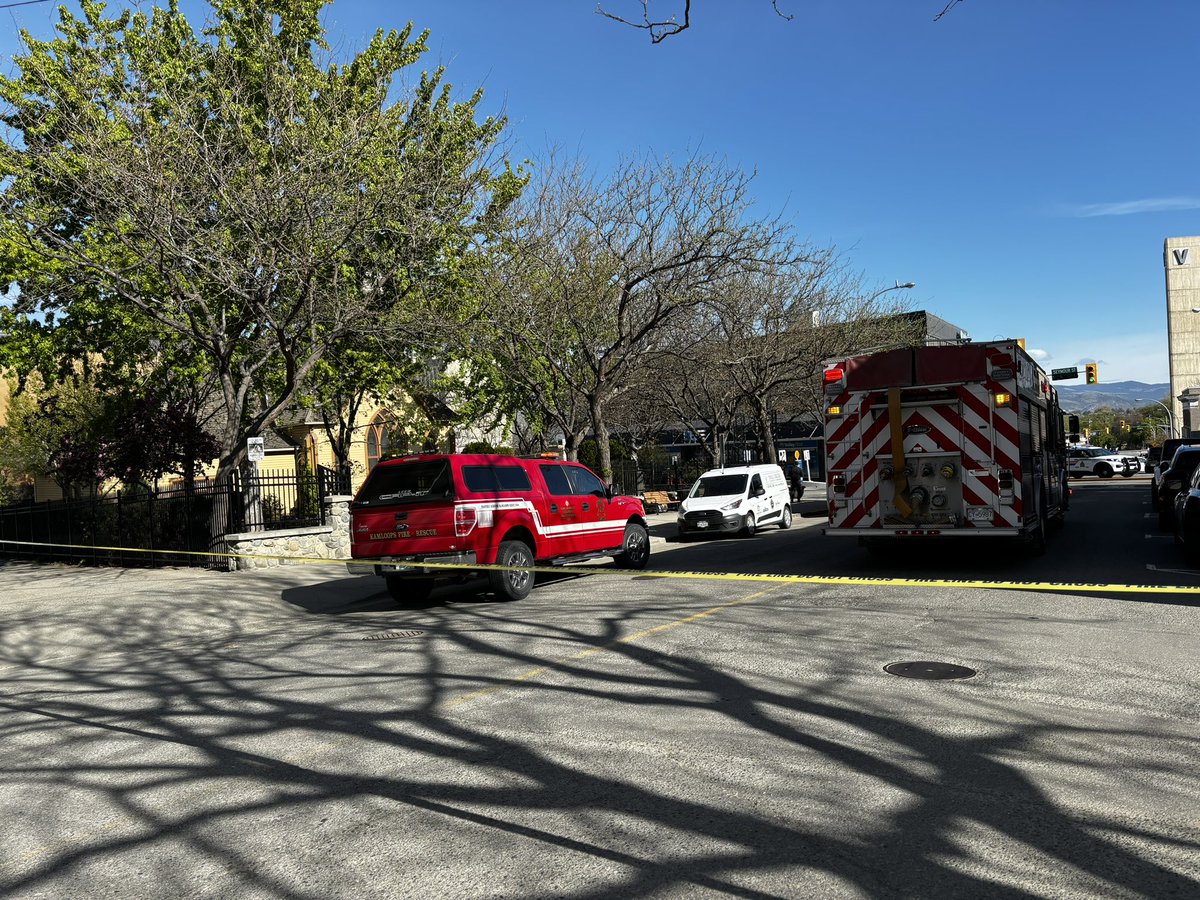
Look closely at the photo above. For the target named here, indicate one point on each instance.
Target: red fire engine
(959, 440)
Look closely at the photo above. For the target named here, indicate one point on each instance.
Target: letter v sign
(1181, 256)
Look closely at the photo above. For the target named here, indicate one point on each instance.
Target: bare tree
(660, 29)
(594, 271)
(756, 349)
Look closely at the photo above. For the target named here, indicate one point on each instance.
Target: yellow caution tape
(1064, 587)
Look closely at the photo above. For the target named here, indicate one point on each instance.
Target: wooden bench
(658, 501)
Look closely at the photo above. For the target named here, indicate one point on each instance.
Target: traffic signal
(1122, 423)
(1090, 376)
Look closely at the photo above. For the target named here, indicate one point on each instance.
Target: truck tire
(786, 521)
(509, 584)
(1037, 537)
(636, 547)
(409, 591)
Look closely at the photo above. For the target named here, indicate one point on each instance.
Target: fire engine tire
(1104, 470)
(508, 584)
(409, 591)
(636, 552)
(750, 527)
(1037, 538)
(786, 521)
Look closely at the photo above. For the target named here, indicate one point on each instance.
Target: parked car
(1171, 480)
(416, 513)
(1096, 461)
(1162, 456)
(736, 498)
(1187, 519)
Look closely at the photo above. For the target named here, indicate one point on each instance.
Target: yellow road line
(852, 580)
(592, 651)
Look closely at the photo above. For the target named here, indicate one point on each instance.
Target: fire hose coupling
(919, 496)
(886, 473)
(948, 470)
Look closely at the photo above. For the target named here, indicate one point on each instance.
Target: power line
(22, 3)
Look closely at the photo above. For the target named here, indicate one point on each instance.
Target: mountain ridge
(1079, 398)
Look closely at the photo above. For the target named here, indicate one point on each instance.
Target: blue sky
(1022, 161)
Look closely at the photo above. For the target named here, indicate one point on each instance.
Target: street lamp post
(895, 287)
(1170, 415)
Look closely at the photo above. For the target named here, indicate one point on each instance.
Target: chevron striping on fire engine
(943, 440)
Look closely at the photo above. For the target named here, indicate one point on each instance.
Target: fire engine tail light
(464, 520)
(834, 377)
(1003, 399)
(839, 483)
(833, 411)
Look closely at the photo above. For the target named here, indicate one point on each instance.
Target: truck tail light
(464, 520)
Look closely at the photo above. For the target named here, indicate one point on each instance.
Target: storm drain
(391, 635)
(930, 671)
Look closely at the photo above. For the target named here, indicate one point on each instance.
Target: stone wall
(331, 541)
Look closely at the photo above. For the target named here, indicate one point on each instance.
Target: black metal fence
(183, 526)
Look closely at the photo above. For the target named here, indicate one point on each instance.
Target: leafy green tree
(239, 190)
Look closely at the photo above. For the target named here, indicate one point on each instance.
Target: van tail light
(464, 520)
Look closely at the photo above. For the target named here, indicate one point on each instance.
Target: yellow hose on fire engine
(899, 475)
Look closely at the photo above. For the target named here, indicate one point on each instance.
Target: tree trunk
(600, 430)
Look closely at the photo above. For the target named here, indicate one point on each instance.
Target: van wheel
(512, 583)
(786, 521)
(409, 591)
(636, 547)
(749, 528)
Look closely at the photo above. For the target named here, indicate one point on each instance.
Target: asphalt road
(291, 733)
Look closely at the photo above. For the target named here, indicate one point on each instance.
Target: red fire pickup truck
(464, 510)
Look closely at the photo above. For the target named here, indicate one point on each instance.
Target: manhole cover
(390, 635)
(932, 671)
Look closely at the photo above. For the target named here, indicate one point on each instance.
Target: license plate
(701, 524)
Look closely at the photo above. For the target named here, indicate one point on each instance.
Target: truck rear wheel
(409, 591)
(516, 582)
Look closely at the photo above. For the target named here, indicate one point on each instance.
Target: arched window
(378, 440)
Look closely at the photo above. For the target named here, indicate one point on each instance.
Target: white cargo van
(736, 498)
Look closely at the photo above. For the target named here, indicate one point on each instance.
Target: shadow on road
(208, 768)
